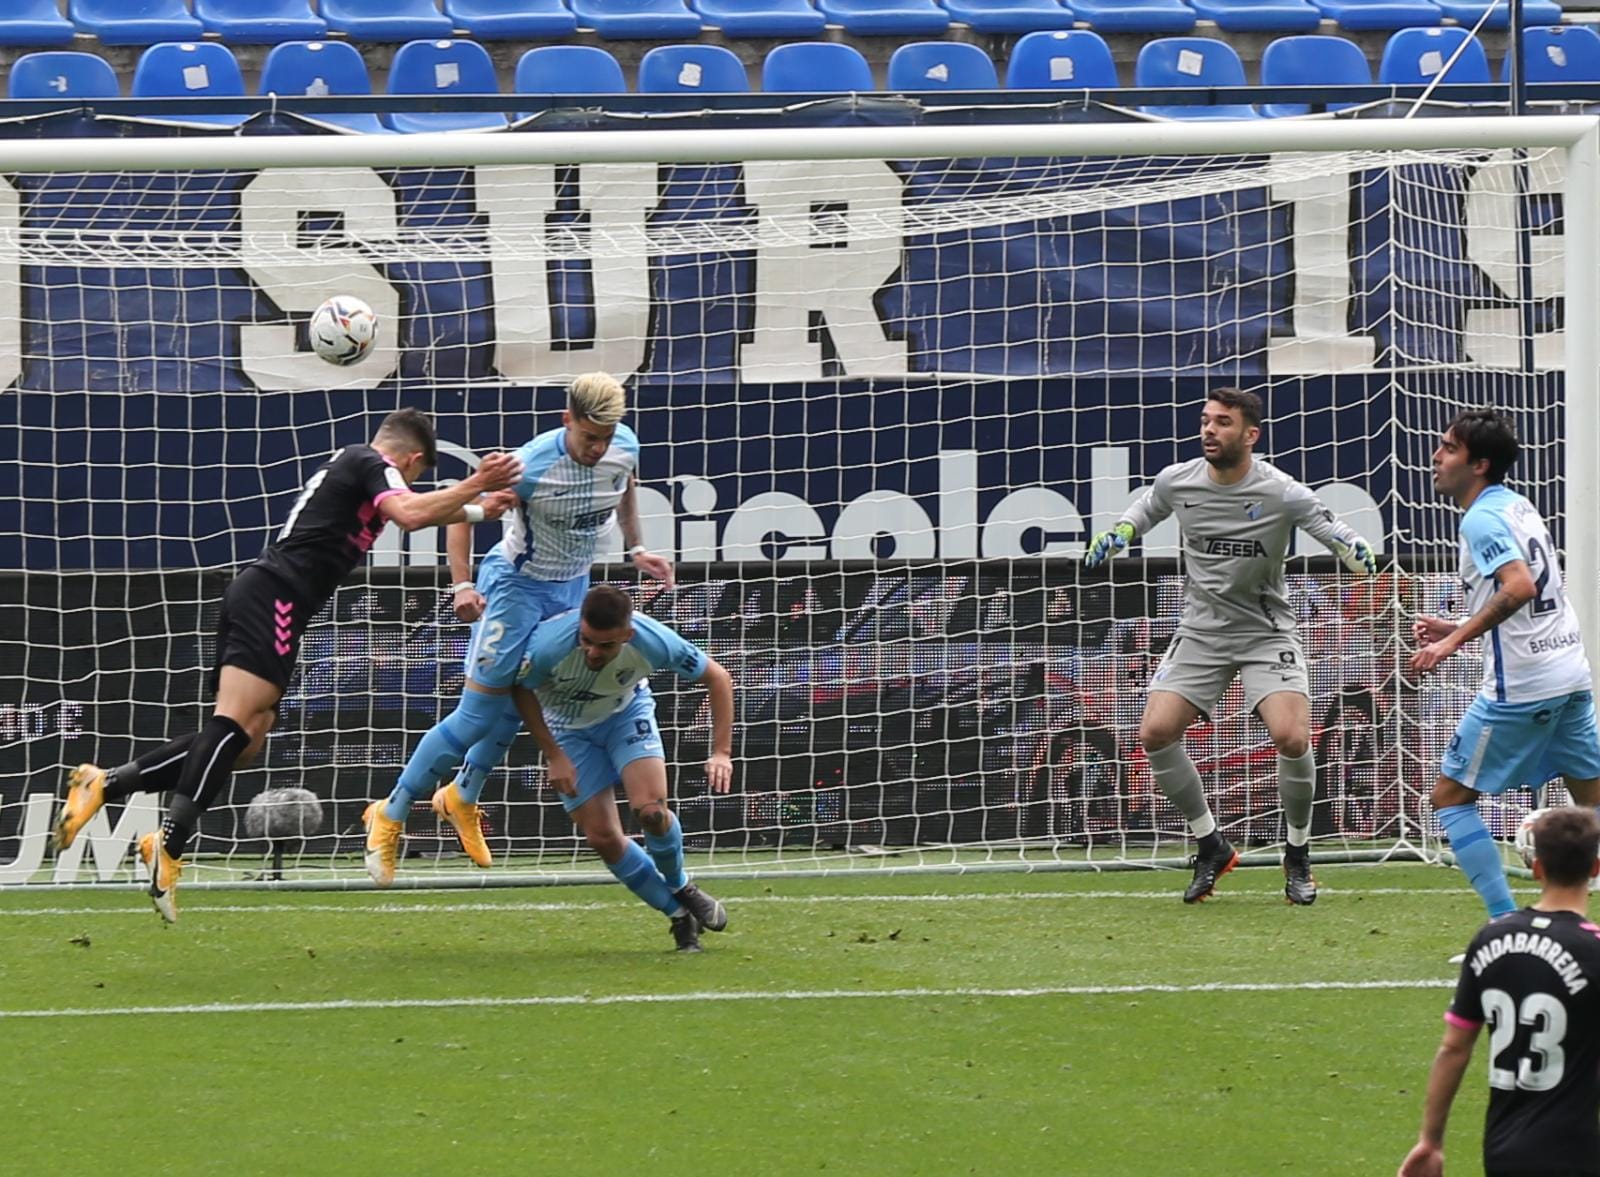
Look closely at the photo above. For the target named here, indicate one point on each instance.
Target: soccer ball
(343, 330)
(1524, 838)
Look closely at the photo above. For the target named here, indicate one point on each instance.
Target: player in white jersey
(1534, 716)
(1238, 514)
(585, 696)
(578, 483)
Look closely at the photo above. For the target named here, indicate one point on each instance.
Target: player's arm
(1514, 588)
(1309, 512)
(719, 689)
(461, 502)
(563, 776)
(1149, 509)
(458, 550)
(654, 566)
(1426, 1158)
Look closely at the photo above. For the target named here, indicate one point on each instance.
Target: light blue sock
(1478, 857)
(485, 756)
(442, 749)
(667, 853)
(636, 872)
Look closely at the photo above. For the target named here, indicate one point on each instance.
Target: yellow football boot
(383, 843)
(468, 821)
(164, 872)
(86, 793)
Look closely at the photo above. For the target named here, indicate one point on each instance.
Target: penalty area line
(736, 995)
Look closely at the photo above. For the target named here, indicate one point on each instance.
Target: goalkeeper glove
(1107, 544)
(1357, 556)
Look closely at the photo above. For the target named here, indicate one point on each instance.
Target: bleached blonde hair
(597, 397)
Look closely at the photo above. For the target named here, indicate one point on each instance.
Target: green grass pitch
(997, 1024)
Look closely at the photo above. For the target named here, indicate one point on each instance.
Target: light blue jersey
(1537, 652)
(567, 509)
(574, 697)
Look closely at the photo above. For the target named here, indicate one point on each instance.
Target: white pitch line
(356, 905)
(586, 999)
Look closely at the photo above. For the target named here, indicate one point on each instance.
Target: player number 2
(493, 631)
(1542, 1067)
(1541, 562)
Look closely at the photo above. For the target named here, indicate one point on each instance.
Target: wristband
(461, 584)
(473, 512)
(636, 551)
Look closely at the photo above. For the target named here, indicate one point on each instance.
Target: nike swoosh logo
(1191, 506)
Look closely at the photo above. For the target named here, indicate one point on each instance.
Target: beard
(1226, 456)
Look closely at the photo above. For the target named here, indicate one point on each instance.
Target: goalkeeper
(1238, 514)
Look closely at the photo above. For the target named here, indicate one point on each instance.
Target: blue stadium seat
(761, 18)
(941, 65)
(816, 67)
(298, 68)
(1191, 61)
(1136, 16)
(1312, 61)
(260, 22)
(1566, 53)
(569, 69)
(34, 22)
(692, 69)
(443, 67)
(63, 75)
(1414, 57)
(134, 22)
(201, 69)
(645, 20)
(1356, 15)
(1009, 16)
(1251, 16)
(1059, 61)
(892, 18)
(1468, 12)
(512, 20)
(385, 20)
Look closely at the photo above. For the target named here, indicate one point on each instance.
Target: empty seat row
(1077, 59)
(144, 22)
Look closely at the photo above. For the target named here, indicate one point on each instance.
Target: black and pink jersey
(1533, 978)
(333, 523)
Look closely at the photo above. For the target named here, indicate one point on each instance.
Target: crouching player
(585, 695)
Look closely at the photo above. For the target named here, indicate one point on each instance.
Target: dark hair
(412, 427)
(1248, 403)
(1567, 841)
(1489, 437)
(607, 607)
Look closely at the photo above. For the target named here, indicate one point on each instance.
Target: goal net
(885, 385)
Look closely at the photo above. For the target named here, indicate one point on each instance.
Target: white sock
(1202, 825)
(1299, 835)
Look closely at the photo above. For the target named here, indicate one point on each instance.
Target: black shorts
(259, 628)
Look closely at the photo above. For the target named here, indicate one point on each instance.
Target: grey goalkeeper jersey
(1235, 539)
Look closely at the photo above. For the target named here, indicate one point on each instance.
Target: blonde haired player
(578, 483)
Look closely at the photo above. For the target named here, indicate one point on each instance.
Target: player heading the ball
(341, 511)
(1238, 514)
(586, 699)
(1534, 715)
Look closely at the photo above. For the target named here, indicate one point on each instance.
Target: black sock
(1213, 843)
(156, 771)
(206, 770)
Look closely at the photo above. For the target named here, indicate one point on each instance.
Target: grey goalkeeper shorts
(1201, 668)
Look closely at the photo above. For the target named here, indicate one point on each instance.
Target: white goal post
(887, 380)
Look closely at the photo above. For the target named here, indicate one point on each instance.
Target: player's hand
(1431, 655)
(498, 471)
(497, 503)
(1424, 1160)
(468, 603)
(719, 772)
(1432, 629)
(1357, 556)
(563, 776)
(655, 567)
(1107, 544)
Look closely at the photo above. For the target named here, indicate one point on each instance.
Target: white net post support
(1301, 157)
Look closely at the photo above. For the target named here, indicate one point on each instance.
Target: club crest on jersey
(1252, 510)
(620, 481)
(622, 675)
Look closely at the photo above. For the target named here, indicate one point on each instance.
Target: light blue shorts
(514, 607)
(1500, 746)
(601, 752)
